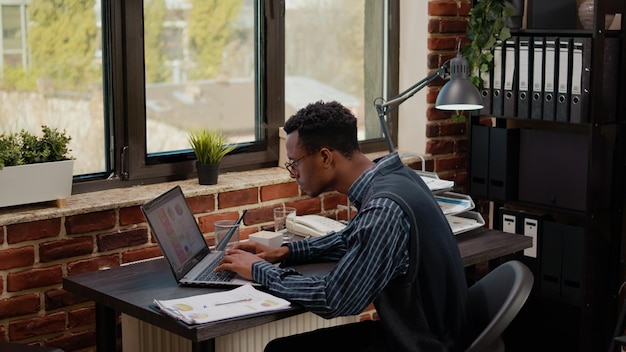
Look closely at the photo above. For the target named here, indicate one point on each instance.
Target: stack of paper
(454, 203)
(241, 301)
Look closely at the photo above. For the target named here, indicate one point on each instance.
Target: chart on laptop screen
(181, 239)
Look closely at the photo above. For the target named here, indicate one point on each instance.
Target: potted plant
(488, 28)
(210, 147)
(35, 168)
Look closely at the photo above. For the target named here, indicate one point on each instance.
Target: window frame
(124, 90)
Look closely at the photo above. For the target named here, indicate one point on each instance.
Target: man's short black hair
(325, 124)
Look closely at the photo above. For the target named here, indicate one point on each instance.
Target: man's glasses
(291, 164)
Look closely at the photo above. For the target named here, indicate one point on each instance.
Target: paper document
(465, 222)
(241, 301)
(434, 183)
(453, 203)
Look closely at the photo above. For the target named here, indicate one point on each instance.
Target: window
(128, 79)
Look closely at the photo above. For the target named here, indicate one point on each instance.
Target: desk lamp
(459, 93)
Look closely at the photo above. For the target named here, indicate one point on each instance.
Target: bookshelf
(554, 169)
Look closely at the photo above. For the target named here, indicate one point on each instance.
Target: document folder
(498, 76)
(536, 104)
(564, 81)
(510, 83)
(523, 92)
(550, 78)
(551, 259)
(581, 79)
(479, 165)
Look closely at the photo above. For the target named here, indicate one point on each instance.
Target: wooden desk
(130, 289)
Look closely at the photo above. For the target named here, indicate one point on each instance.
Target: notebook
(175, 228)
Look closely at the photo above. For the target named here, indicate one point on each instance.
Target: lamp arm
(409, 92)
(383, 108)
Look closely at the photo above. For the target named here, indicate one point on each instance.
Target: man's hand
(241, 257)
(271, 254)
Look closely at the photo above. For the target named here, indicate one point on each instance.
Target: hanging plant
(487, 30)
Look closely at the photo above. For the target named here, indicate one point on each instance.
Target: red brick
(433, 61)
(17, 257)
(206, 222)
(90, 222)
(35, 230)
(19, 305)
(442, 43)
(131, 215)
(462, 145)
(83, 340)
(450, 163)
(55, 250)
(433, 25)
(93, 264)
(453, 129)
(465, 8)
(80, 317)
(306, 205)
(141, 254)
(58, 298)
(36, 277)
(443, 8)
(122, 239)
(283, 190)
(47, 324)
(440, 146)
(331, 200)
(433, 114)
(238, 198)
(260, 215)
(202, 204)
(453, 26)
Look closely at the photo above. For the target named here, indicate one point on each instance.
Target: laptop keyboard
(221, 276)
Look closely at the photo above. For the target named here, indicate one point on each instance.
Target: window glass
(52, 75)
(326, 43)
(199, 70)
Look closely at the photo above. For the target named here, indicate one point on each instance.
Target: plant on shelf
(25, 148)
(35, 168)
(487, 30)
(210, 147)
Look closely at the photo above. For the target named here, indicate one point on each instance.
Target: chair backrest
(495, 300)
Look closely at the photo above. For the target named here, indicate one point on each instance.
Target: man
(397, 252)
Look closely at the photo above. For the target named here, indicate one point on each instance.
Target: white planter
(34, 183)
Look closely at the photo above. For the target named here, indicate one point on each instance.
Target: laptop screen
(175, 228)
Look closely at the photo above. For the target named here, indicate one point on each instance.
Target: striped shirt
(370, 251)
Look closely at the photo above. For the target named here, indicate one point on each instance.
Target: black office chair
(495, 300)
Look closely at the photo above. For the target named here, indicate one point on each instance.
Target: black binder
(510, 82)
(497, 102)
(503, 163)
(524, 78)
(536, 104)
(581, 79)
(564, 80)
(479, 165)
(550, 77)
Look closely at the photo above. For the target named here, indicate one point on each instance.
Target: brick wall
(35, 309)
(447, 141)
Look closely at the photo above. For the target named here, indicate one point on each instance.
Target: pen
(235, 301)
(220, 246)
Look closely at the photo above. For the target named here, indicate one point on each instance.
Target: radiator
(139, 336)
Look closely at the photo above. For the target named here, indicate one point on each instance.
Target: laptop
(175, 228)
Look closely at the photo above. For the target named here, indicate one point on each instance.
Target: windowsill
(137, 195)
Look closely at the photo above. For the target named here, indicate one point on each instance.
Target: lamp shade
(459, 93)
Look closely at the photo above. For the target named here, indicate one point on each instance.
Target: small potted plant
(210, 147)
(35, 168)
